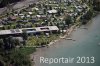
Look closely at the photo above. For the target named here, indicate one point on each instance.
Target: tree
(58, 13)
(1, 44)
(25, 35)
(68, 20)
(24, 42)
(96, 5)
(3, 27)
(11, 42)
(87, 16)
(1, 63)
(50, 7)
(16, 42)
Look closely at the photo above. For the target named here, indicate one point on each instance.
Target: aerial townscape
(40, 24)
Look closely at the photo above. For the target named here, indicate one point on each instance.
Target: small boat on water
(74, 40)
(84, 28)
(62, 37)
(69, 39)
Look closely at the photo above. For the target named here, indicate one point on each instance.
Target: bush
(87, 16)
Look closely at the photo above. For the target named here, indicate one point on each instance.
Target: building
(29, 31)
(52, 11)
(11, 32)
(47, 29)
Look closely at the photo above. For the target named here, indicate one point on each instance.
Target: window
(44, 28)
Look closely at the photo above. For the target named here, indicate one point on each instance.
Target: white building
(52, 11)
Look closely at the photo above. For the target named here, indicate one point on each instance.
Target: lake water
(86, 44)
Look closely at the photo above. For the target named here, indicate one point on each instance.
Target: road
(18, 5)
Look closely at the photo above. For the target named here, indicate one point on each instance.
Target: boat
(84, 28)
(74, 40)
(62, 37)
(69, 38)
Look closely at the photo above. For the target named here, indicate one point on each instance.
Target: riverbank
(67, 35)
(70, 30)
(86, 45)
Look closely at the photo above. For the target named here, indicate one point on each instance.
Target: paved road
(19, 5)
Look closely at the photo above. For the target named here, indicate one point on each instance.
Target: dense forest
(11, 55)
(96, 5)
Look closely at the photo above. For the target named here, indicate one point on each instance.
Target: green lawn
(26, 50)
(33, 41)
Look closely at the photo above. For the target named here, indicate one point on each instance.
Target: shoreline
(47, 51)
(68, 33)
(65, 37)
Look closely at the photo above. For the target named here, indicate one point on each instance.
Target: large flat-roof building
(12, 31)
(17, 32)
